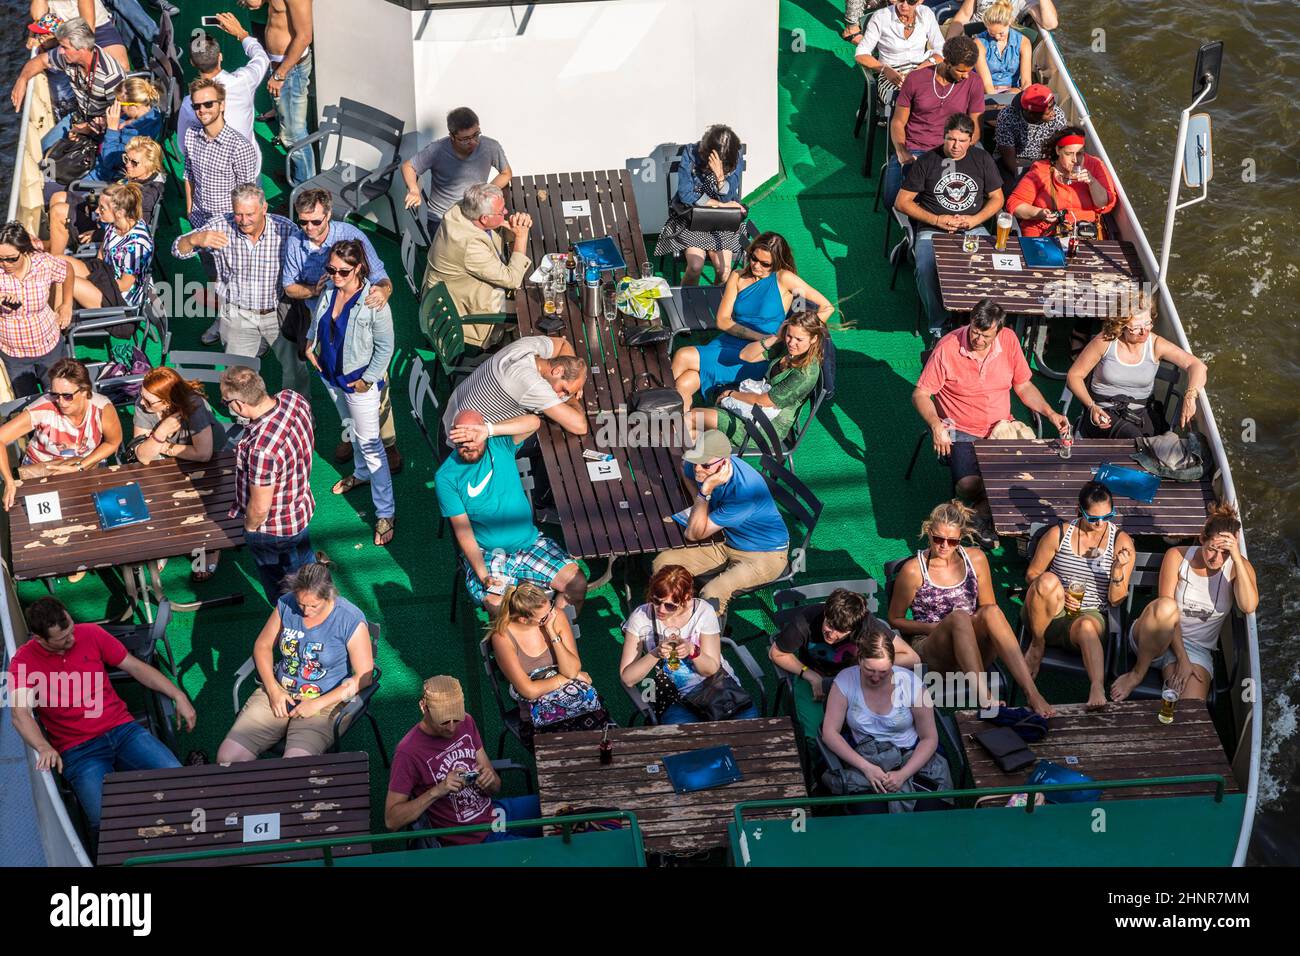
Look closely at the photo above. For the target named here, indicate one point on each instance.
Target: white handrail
(20, 155)
(1208, 426)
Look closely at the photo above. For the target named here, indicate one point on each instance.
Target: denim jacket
(369, 338)
(108, 168)
(690, 188)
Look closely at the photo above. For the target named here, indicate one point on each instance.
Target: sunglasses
(10, 259)
(128, 103)
(9, 305)
(310, 222)
(1095, 518)
(205, 105)
(950, 542)
(765, 263)
(330, 270)
(669, 606)
(1137, 329)
(62, 396)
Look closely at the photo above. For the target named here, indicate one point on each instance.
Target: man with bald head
(480, 493)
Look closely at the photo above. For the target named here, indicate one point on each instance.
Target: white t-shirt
(67, 10)
(507, 385)
(1203, 602)
(241, 86)
(703, 620)
(895, 727)
(883, 37)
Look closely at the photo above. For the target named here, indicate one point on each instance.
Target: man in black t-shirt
(953, 188)
(817, 642)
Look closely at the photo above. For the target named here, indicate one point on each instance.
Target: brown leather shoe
(343, 452)
(395, 462)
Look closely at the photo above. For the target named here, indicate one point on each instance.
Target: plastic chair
(353, 186)
(441, 323)
(791, 600)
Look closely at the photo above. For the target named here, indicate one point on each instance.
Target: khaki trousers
(744, 569)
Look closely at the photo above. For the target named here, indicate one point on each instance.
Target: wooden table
(154, 812)
(1087, 285)
(1028, 483)
(569, 774)
(615, 517)
(188, 502)
(1122, 742)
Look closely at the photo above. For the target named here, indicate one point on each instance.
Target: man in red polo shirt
(61, 674)
(965, 390)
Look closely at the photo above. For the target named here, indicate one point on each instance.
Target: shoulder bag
(654, 400)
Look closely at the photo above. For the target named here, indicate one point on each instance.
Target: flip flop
(344, 485)
(384, 529)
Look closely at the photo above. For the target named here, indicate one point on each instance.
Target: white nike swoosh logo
(476, 490)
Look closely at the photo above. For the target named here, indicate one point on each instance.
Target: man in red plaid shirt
(272, 475)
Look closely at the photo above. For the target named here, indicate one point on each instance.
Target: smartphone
(210, 21)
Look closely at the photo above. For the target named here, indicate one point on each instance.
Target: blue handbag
(1129, 482)
(1045, 772)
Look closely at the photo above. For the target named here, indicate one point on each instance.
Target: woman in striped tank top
(955, 623)
(1088, 551)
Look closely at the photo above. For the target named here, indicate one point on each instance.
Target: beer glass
(1077, 590)
(1004, 231)
(1168, 697)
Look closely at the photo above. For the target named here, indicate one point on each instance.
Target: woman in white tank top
(1123, 360)
(1179, 630)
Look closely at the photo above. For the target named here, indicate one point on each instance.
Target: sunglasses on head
(950, 542)
(128, 103)
(331, 270)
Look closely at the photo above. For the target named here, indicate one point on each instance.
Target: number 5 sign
(44, 507)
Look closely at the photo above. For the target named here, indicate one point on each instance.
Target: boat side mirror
(1209, 63)
(1198, 165)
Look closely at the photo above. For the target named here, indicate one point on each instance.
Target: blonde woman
(142, 160)
(1122, 362)
(134, 113)
(1005, 54)
(119, 274)
(955, 623)
(533, 645)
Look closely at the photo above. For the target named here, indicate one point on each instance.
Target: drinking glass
(1077, 590)
(609, 301)
(1168, 698)
(1004, 231)
(647, 270)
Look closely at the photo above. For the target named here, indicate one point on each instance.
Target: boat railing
(1208, 426)
(20, 156)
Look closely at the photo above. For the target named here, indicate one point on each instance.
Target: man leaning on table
(470, 255)
(964, 392)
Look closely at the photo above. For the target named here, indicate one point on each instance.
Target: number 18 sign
(43, 507)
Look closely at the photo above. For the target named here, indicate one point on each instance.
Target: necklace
(934, 82)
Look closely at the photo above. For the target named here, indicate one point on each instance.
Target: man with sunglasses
(480, 493)
(217, 156)
(732, 498)
(455, 162)
(240, 85)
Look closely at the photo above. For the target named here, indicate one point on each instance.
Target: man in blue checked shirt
(303, 278)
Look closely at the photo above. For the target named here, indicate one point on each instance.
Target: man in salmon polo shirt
(965, 390)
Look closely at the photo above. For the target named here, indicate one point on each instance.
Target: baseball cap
(711, 445)
(46, 25)
(444, 699)
(1037, 98)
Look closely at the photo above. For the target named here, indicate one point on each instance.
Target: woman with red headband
(1064, 187)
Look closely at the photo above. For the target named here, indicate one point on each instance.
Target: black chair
(353, 187)
(507, 708)
(142, 642)
(148, 320)
(872, 116)
(347, 717)
(760, 434)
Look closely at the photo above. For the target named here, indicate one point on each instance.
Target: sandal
(199, 577)
(384, 529)
(344, 485)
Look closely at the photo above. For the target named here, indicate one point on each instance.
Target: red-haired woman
(173, 420)
(678, 633)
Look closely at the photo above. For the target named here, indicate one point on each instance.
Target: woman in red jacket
(1071, 184)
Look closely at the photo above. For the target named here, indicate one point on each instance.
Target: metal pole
(1171, 209)
(19, 156)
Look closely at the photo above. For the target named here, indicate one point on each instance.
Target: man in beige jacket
(469, 255)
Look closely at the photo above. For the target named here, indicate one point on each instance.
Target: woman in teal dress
(754, 304)
(794, 356)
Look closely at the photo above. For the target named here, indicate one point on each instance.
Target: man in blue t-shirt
(480, 493)
(733, 498)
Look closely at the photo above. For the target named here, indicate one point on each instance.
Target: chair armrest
(327, 128)
(747, 661)
(489, 318)
(245, 670)
(362, 183)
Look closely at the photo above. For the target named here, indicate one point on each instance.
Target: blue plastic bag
(1045, 772)
(1129, 482)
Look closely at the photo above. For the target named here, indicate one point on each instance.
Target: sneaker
(213, 334)
(984, 533)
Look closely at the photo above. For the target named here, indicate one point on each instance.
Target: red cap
(1037, 98)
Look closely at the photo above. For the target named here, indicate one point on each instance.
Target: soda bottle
(606, 747)
(571, 267)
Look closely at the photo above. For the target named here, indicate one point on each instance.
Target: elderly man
(247, 248)
(240, 86)
(443, 777)
(272, 475)
(455, 162)
(965, 390)
(952, 188)
(62, 675)
(927, 98)
(95, 78)
(469, 255)
(480, 493)
(535, 375)
(1025, 126)
(731, 497)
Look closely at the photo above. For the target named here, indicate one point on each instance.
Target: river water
(1234, 273)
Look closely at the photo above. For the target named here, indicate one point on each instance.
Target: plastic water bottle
(591, 290)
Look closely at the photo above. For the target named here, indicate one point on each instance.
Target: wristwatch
(278, 78)
(700, 494)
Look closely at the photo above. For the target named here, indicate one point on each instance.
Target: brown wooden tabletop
(1087, 286)
(153, 812)
(615, 517)
(1028, 483)
(187, 502)
(569, 774)
(1124, 741)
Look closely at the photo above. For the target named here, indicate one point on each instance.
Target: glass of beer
(1077, 589)
(1168, 697)
(1004, 231)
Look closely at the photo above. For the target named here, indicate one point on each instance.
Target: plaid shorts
(540, 563)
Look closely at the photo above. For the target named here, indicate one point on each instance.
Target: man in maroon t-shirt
(61, 675)
(927, 98)
(442, 773)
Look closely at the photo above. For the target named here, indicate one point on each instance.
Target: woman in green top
(795, 353)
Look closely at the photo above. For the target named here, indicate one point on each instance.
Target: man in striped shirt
(272, 475)
(94, 75)
(247, 248)
(536, 375)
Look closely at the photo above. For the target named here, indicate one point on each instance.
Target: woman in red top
(1070, 184)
